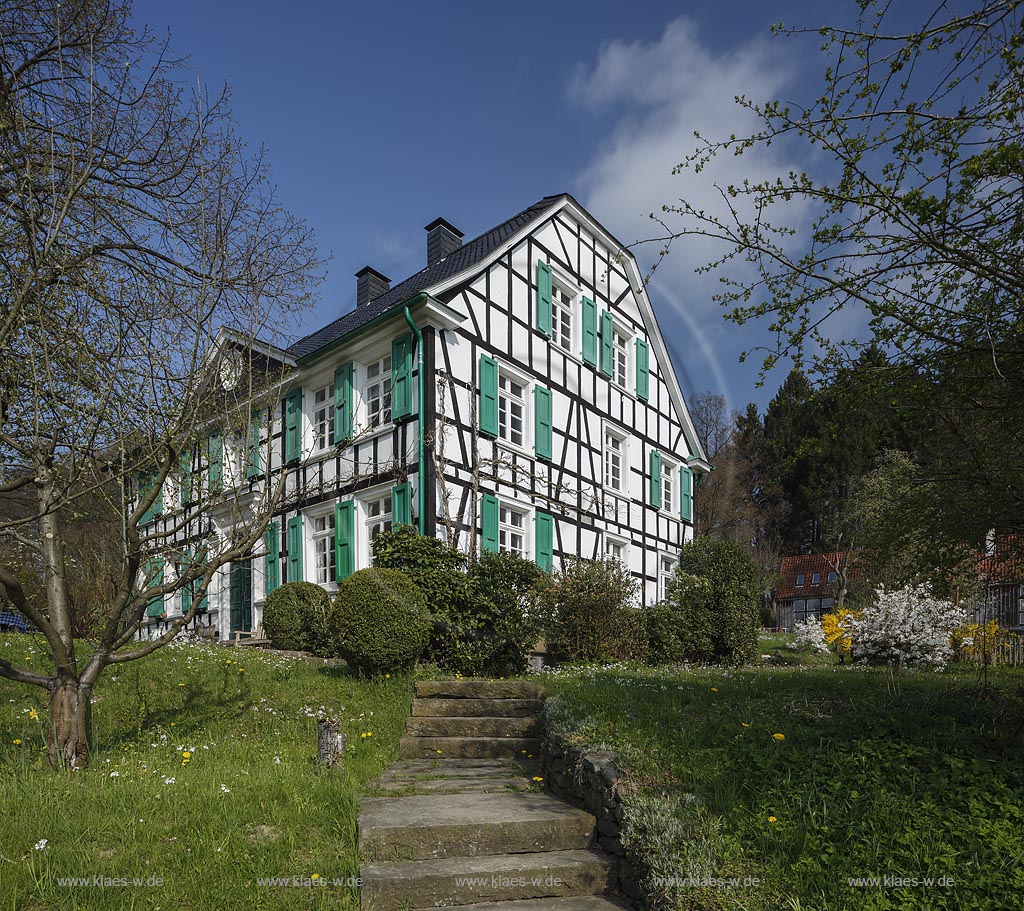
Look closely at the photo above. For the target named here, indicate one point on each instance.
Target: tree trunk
(70, 725)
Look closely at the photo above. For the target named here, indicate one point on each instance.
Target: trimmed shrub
(379, 620)
(732, 575)
(482, 622)
(681, 628)
(295, 616)
(590, 606)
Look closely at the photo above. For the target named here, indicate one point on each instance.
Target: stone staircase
(461, 822)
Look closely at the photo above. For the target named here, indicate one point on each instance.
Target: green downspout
(421, 487)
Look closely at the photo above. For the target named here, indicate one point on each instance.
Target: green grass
(916, 775)
(250, 802)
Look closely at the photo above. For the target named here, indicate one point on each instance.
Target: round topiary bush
(295, 616)
(379, 620)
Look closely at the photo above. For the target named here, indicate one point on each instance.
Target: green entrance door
(241, 596)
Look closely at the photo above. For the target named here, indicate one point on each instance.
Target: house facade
(515, 394)
(808, 586)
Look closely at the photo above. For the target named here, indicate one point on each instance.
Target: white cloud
(657, 94)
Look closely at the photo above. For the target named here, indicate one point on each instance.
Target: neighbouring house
(515, 394)
(1002, 583)
(808, 585)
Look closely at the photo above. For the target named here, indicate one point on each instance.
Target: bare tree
(143, 252)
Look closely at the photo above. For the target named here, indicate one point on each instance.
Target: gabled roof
(466, 256)
(807, 565)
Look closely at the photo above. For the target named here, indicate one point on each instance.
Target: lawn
(248, 802)
(806, 777)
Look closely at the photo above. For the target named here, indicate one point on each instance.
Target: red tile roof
(807, 565)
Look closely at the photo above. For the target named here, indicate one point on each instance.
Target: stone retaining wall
(590, 781)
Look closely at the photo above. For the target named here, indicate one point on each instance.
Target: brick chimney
(370, 285)
(443, 239)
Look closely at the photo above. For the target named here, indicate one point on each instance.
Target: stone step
(439, 763)
(443, 825)
(473, 688)
(426, 726)
(476, 707)
(467, 747)
(566, 903)
(503, 878)
(463, 783)
(482, 773)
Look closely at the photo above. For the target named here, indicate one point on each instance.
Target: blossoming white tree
(808, 633)
(905, 627)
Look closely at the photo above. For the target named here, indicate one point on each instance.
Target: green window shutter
(401, 504)
(488, 395)
(185, 487)
(273, 578)
(186, 590)
(589, 332)
(643, 372)
(215, 454)
(146, 481)
(542, 422)
(252, 455)
(489, 522)
(545, 531)
(293, 425)
(685, 493)
(295, 549)
(344, 540)
(401, 376)
(155, 576)
(544, 297)
(656, 478)
(343, 403)
(607, 335)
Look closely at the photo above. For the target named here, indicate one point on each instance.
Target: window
(806, 610)
(666, 569)
(377, 392)
(512, 530)
(614, 461)
(323, 417)
(561, 318)
(816, 579)
(668, 474)
(378, 517)
(832, 576)
(511, 410)
(620, 357)
(323, 548)
(800, 580)
(614, 549)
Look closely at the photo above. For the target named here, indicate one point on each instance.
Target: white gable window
(669, 472)
(620, 356)
(615, 549)
(323, 417)
(323, 548)
(562, 318)
(511, 410)
(614, 461)
(512, 530)
(666, 569)
(377, 392)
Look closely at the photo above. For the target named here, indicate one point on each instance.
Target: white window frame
(319, 444)
(620, 331)
(669, 486)
(507, 373)
(623, 438)
(364, 557)
(506, 528)
(559, 309)
(614, 541)
(387, 395)
(315, 538)
(665, 576)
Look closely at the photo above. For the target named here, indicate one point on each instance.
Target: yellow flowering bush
(978, 641)
(838, 628)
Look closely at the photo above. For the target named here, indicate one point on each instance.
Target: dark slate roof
(466, 256)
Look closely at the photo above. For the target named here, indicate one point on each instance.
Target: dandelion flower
(33, 714)
(537, 778)
(743, 724)
(714, 689)
(181, 684)
(17, 741)
(186, 754)
(772, 819)
(315, 876)
(779, 737)
(387, 676)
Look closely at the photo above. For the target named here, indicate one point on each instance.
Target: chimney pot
(443, 239)
(370, 284)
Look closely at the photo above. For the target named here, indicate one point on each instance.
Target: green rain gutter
(421, 486)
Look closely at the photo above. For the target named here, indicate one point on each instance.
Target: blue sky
(380, 117)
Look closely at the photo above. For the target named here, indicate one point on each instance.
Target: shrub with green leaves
(295, 616)
(589, 606)
(379, 621)
(681, 628)
(734, 594)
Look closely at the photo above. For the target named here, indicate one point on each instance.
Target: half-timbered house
(515, 394)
